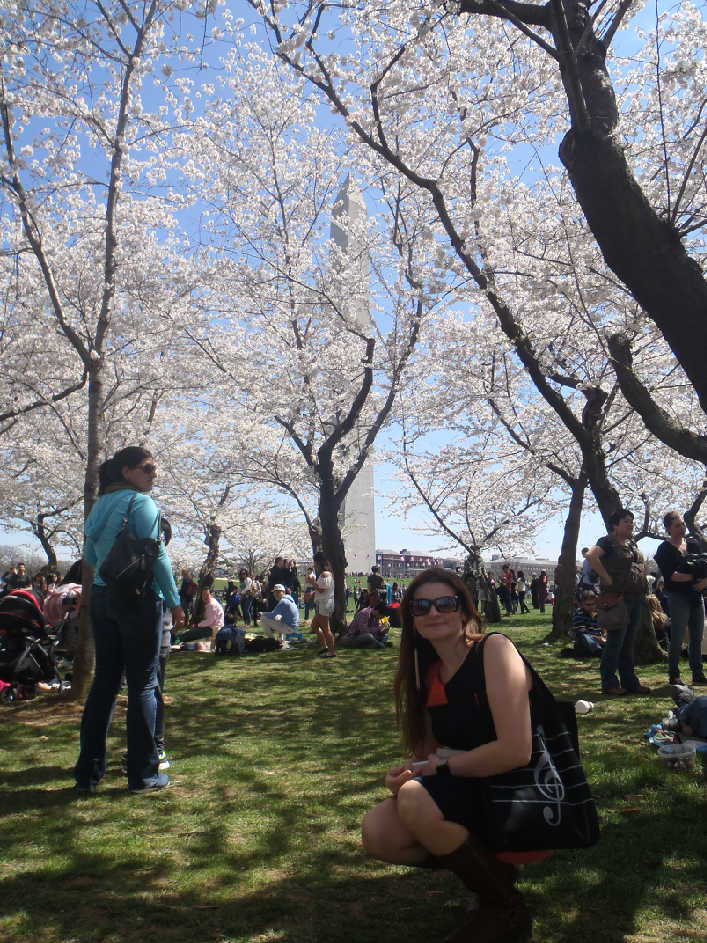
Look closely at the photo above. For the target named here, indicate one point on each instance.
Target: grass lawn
(275, 759)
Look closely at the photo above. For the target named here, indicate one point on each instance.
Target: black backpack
(128, 568)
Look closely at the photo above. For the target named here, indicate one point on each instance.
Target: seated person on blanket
(589, 639)
(364, 630)
(284, 617)
(433, 817)
(212, 619)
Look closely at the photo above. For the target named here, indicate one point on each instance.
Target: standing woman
(126, 633)
(323, 585)
(622, 587)
(474, 699)
(687, 610)
(245, 593)
(522, 586)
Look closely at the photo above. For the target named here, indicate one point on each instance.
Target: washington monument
(348, 231)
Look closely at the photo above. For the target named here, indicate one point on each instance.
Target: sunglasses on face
(421, 606)
(148, 468)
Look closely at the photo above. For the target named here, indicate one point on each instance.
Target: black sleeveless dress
(461, 720)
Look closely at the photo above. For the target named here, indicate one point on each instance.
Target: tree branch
(657, 420)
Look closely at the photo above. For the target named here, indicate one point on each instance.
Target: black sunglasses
(148, 468)
(421, 606)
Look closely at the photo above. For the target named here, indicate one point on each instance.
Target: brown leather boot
(502, 916)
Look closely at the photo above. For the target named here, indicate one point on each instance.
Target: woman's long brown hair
(410, 699)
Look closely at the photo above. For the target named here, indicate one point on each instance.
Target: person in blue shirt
(126, 633)
(283, 618)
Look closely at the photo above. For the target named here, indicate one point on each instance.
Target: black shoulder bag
(128, 567)
(546, 804)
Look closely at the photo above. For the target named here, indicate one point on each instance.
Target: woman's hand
(699, 585)
(397, 775)
(426, 767)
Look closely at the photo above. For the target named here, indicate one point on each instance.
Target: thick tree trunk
(41, 534)
(82, 668)
(333, 550)
(644, 251)
(565, 574)
(647, 651)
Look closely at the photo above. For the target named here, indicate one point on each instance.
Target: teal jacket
(101, 529)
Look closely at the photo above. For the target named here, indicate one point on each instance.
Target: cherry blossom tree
(94, 258)
(305, 328)
(406, 71)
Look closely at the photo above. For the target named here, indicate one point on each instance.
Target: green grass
(275, 760)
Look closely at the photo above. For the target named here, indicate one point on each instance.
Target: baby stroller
(26, 648)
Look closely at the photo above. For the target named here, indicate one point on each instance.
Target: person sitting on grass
(589, 639)
(283, 618)
(212, 619)
(364, 630)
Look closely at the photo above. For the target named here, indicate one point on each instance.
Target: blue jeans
(247, 609)
(618, 651)
(126, 636)
(687, 611)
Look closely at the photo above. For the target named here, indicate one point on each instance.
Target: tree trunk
(644, 251)
(83, 661)
(647, 651)
(333, 550)
(82, 669)
(206, 573)
(565, 574)
(40, 533)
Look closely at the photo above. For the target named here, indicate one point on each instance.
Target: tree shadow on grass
(273, 770)
(108, 901)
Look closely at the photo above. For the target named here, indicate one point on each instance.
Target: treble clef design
(548, 781)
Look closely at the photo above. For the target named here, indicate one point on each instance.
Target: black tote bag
(546, 804)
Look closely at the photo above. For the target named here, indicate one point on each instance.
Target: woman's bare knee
(384, 836)
(413, 802)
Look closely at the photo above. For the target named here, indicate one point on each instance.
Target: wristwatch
(443, 768)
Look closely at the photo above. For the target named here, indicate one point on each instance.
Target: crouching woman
(464, 711)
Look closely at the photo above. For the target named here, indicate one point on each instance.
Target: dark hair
(521, 575)
(409, 700)
(111, 471)
(74, 573)
(321, 559)
(669, 518)
(618, 516)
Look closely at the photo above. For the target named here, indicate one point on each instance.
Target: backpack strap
(539, 692)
